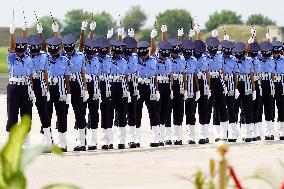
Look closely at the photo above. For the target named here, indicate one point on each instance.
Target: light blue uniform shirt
(147, 68)
(215, 63)
(279, 65)
(191, 65)
(132, 63)
(93, 66)
(164, 66)
(18, 66)
(178, 64)
(58, 66)
(229, 64)
(202, 64)
(76, 62)
(117, 66)
(40, 62)
(245, 66)
(267, 65)
(257, 68)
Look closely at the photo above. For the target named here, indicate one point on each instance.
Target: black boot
(168, 142)
(281, 138)
(137, 145)
(191, 142)
(247, 139)
(79, 148)
(104, 147)
(110, 146)
(91, 148)
(132, 145)
(63, 149)
(121, 146)
(161, 144)
(267, 138)
(178, 142)
(207, 140)
(232, 140)
(154, 144)
(202, 141)
(217, 139)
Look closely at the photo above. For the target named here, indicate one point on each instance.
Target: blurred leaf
(212, 168)
(12, 151)
(30, 154)
(211, 185)
(199, 180)
(17, 181)
(259, 19)
(61, 186)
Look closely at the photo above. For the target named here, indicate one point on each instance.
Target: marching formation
(113, 79)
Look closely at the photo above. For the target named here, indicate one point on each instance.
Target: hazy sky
(199, 8)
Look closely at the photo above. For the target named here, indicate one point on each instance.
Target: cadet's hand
(226, 37)
(185, 95)
(209, 94)
(158, 96)
(237, 93)
(119, 31)
(48, 96)
(191, 33)
(197, 95)
(93, 26)
(12, 29)
(55, 27)
(84, 25)
(164, 28)
(86, 96)
(172, 94)
(39, 28)
(225, 91)
(267, 36)
(251, 40)
(109, 34)
(253, 95)
(197, 29)
(68, 99)
(32, 97)
(214, 33)
(153, 33)
(25, 26)
(180, 32)
(128, 97)
(131, 32)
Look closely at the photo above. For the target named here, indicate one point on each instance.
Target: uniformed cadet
(267, 71)
(106, 121)
(78, 88)
(119, 90)
(131, 57)
(163, 71)
(93, 72)
(146, 86)
(218, 87)
(40, 84)
(20, 94)
(191, 92)
(229, 63)
(279, 85)
(245, 83)
(204, 86)
(257, 104)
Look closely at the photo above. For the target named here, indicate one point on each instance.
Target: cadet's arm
(82, 40)
(195, 78)
(153, 47)
(164, 36)
(46, 79)
(252, 81)
(92, 34)
(235, 80)
(208, 79)
(83, 74)
(25, 33)
(43, 45)
(12, 43)
(185, 80)
(67, 81)
(247, 48)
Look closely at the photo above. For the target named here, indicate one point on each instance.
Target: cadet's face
(276, 55)
(19, 54)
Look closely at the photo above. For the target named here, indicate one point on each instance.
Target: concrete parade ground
(145, 167)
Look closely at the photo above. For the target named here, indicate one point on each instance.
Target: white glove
(253, 95)
(93, 26)
(253, 31)
(128, 97)
(122, 28)
(84, 25)
(180, 32)
(164, 28)
(197, 29)
(109, 34)
(197, 95)
(86, 96)
(39, 28)
(191, 33)
(55, 27)
(237, 93)
(172, 94)
(119, 31)
(158, 96)
(68, 99)
(268, 36)
(209, 94)
(25, 26)
(153, 33)
(48, 96)
(214, 33)
(111, 31)
(185, 95)
(225, 91)
(12, 29)
(251, 40)
(226, 37)
(131, 32)
(32, 97)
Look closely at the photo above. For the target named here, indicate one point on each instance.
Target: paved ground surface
(143, 168)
